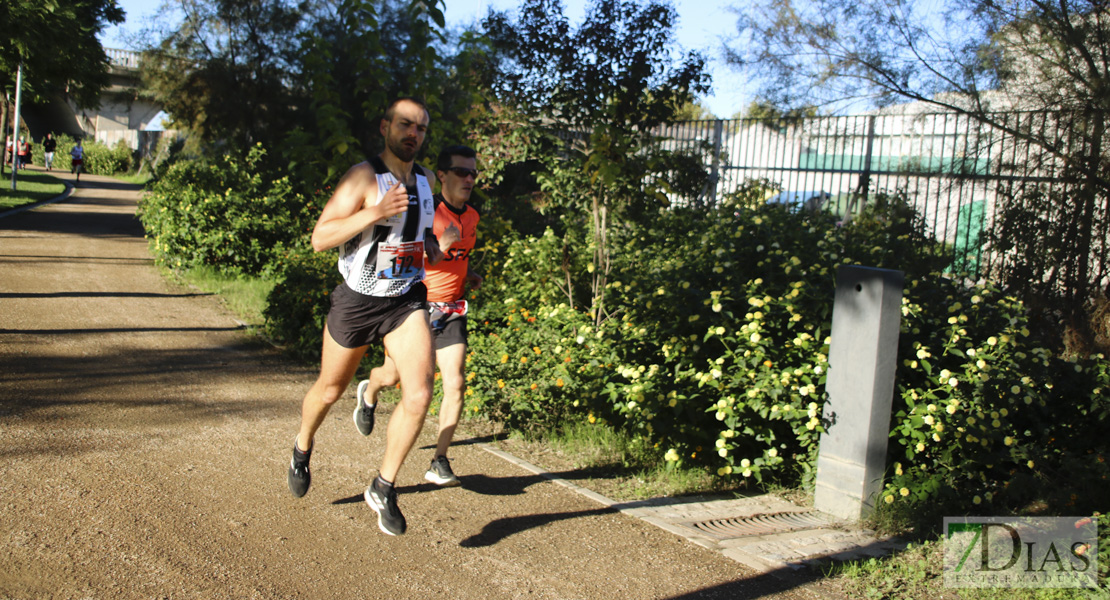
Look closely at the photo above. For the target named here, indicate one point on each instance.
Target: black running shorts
(357, 320)
(453, 332)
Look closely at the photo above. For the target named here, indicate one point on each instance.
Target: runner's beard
(401, 151)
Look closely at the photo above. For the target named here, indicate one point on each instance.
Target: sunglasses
(464, 172)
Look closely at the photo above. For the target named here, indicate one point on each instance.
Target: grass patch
(918, 572)
(30, 187)
(612, 463)
(245, 296)
(135, 178)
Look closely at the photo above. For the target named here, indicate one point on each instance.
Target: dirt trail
(145, 438)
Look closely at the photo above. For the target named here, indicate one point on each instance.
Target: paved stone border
(781, 552)
(27, 207)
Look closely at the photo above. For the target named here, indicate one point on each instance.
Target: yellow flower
(977, 500)
(523, 359)
(889, 499)
(904, 492)
(536, 349)
(500, 383)
(593, 419)
(504, 358)
(559, 382)
(533, 386)
(1029, 464)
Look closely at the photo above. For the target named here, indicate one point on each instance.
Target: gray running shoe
(440, 473)
(364, 413)
(299, 475)
(382, 497)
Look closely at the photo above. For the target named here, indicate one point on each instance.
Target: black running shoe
(383, 499)
(299, 476)
(364, 413)
(440, 473)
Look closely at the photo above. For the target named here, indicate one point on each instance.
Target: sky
(701, 26)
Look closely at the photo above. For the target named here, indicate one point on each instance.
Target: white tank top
(387, 258)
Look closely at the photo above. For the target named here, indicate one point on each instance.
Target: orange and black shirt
(446, 279)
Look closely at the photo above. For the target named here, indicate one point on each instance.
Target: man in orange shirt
(455, 224)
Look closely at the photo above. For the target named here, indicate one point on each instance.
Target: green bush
(988, 414)
(226, 214)
(299, 301)
(102, 160)
(99, 159)
(716, 346)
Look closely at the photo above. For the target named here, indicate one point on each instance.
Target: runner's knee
(329, 393)
(453, 380)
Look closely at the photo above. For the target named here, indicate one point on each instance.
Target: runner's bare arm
(352, 208)
(432, 249)
(450, 236)
(473, 279)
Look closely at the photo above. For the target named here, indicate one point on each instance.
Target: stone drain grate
(761, 524)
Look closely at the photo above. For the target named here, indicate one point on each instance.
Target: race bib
(401, 261)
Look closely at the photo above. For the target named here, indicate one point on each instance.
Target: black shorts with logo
(453, 332)
(357, 320)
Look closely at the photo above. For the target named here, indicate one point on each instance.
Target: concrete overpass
(126, 112)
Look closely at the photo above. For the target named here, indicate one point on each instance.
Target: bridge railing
(127, 59)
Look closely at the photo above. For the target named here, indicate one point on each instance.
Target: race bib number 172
(400, 261)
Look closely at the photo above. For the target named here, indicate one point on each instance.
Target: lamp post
(15, 127)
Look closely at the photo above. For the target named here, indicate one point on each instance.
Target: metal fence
(955, 170)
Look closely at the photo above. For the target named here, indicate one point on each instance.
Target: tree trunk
(599, 213)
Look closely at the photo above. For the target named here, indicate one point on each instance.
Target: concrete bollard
(851, 458)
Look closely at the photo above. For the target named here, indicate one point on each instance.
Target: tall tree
(358, 55)
(605, 84)
(56, 43)
(983, 59)
(224, 70)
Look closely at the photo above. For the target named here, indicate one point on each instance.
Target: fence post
(864, 186)
(715, 172)
(851, 459)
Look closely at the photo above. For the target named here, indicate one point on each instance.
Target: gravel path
(145, 439)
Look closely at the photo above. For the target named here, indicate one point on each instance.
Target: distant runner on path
(380, 217)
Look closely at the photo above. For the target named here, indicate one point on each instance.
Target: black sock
(299, 455)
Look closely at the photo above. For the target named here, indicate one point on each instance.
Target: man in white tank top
(380, 216)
